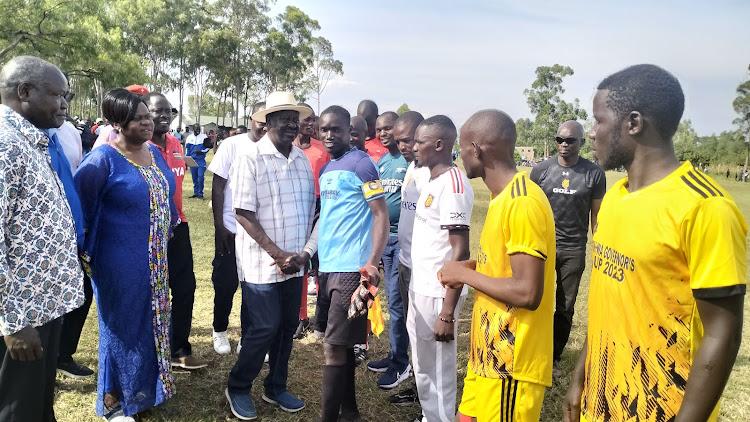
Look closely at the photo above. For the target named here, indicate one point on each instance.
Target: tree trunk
(182, 87)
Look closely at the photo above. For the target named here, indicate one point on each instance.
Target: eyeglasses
(69, 96)
(568, 141)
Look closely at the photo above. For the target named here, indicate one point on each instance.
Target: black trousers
(225, 280)
(182, 285)
(27, 389)
(569, 268)
(72, 324)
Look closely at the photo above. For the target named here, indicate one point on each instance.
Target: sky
(455, 58)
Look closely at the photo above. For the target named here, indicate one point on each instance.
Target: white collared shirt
(220, 166)
(281, 193)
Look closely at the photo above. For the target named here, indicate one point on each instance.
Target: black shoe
(360, 354)
(404, 397)
(74, 370)
(302, 328)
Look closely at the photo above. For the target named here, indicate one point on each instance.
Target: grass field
(200, 394)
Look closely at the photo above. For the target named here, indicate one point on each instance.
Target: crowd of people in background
(323, 205)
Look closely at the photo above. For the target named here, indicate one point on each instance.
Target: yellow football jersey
(655, 251)
(509, 342)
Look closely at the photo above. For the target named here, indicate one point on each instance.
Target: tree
(687, 146)
(208, 105)
(549, 109)
(741, 105)
(43, 27)
(524, 129)
(285, 53)
(403, 109)
(323, 68)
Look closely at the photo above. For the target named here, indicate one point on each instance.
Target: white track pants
(434, 361)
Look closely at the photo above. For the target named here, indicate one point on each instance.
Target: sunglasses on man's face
(568, 141)
(68, 96)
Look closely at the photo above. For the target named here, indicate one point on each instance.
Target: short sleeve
(525, 227)
(222, 161)
(713, 235)
(367, 173)
(600, 183)
(243, 179)
(536, 174)
(455, 208)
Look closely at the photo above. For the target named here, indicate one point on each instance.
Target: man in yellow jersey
(668, 278)
(510, 358)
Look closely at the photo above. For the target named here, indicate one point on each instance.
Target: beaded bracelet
(450, 321)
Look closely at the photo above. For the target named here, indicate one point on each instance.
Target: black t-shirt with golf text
(570, 191)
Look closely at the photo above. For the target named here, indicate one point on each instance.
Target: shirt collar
(33, 134)
(266, 147)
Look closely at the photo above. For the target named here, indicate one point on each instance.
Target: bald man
(442, 218)
(41, 276)
(368, 110)
(510, 358)
(575, 187)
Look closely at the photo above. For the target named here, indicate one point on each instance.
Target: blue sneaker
(242, 406)
(392, 377)
(286, 401)
(379, 365)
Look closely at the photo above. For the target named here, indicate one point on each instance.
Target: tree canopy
(229, 49)
(549, 108)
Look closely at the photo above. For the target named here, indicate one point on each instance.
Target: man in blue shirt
(195, 147)
(392, 166)
(353, 231)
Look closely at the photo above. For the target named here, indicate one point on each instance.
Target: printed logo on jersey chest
(565, 185)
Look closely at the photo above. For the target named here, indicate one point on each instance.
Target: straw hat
(281, 101)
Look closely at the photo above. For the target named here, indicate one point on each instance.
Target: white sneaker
(221, 343)
(311, 286)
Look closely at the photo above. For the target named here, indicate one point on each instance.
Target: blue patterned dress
(128, 213)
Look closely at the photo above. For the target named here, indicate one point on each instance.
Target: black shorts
(341, 331)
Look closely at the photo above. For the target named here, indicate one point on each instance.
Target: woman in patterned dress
(126, 195)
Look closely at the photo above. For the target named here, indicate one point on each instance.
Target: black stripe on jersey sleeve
(523, 182)
(518, 187)
(719, 292)
(692, 186)
(700, 182)
(454, 227)
(543, 255)
(708, 182)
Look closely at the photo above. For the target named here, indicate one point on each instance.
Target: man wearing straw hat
(273, 194)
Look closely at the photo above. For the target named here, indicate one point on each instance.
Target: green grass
(200, 394)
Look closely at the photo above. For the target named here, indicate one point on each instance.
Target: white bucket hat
(281, 101)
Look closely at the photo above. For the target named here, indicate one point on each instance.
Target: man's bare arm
(722, 327)
(524, 290)
(596, 204)
(223, 235)
(380, 228)
(459, 240)
(572, 399)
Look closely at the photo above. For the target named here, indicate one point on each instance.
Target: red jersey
(375, 149)
(318, 156)
(175, 161)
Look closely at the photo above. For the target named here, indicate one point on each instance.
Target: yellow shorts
(503, 399)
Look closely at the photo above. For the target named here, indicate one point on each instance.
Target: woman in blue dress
(126, 195)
